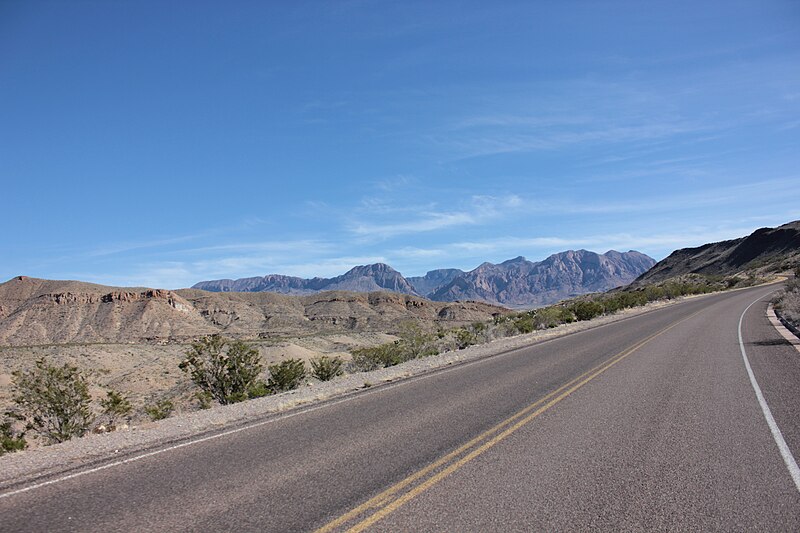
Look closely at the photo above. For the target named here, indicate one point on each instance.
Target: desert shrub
(524, 323)
(381, 356)
(415, 342)
(115, 406)
(11, 440)
(547, 317)
(465, 338)
(565, 315)
(226, 370)
(788, 304)
(204, 399)
(286, 375)
(259, 389)
(612, 304)
(159, 410)
(325, 368)
(587, 310)
(54, 401)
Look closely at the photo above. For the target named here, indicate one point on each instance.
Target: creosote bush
(54, 400)
(159, 410)
(115, 407)
(325, 368)
(11, 440)
(587, 310)
(381, 356)
(414, 342)
(225, 369)
(286, 375)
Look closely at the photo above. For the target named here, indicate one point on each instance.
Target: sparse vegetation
(414, 342)
(325, 368)
(787, 305)
(54, 405)
(374, 357)
(159, 410)
(579, 309)
(227, 370)
(115, 407)
(587, 310)
(10, 439)
(54, 401)
(204, 399)
(286, 375)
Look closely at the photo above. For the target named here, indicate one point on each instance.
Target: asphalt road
(650, 423)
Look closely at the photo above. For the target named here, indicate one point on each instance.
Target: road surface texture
(650, 423)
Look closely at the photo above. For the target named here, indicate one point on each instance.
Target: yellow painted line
(384, 499)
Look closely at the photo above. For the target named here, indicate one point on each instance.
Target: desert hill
(515, 283)
(35, 311)
(764, 249)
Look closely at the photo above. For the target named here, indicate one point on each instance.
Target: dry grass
(789, 302)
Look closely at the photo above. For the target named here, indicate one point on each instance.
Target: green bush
(547, 317)
(325, 368)
(465, 338)
(226, 370)
(115, 406)
(382, 356)
(286, 375)
(54, 401)
(159, 410)
(10, 440)
(415, 342)
(259, 389)
(587, 310)
(204, 399)
(524, 323)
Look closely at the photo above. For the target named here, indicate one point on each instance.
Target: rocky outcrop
(434, 279)
(34, 311)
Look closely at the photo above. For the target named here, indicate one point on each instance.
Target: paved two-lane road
(650, 423)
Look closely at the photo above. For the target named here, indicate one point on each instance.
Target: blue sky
(164, 143)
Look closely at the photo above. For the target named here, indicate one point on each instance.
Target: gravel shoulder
(41, 463)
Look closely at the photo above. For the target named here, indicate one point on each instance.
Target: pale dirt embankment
(50, 460)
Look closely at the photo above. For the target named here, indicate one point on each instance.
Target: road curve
(649, 423)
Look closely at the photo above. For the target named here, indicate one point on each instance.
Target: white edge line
(788, 458)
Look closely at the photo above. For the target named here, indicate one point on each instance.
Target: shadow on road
(771, 342)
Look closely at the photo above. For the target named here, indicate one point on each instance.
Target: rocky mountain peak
(516, 282)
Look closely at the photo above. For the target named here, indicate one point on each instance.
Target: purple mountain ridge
(517, 283)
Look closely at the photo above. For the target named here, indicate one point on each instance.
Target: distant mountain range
(40, 312)
(765, 249)
(513, 283)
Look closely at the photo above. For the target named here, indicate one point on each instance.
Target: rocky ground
(787, 304)
(146, 373)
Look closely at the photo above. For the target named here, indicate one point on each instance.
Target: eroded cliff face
(34, 311)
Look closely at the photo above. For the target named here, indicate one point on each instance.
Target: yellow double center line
(388, 501)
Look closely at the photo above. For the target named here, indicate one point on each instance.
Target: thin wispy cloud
(478, 209)
(649, 129)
